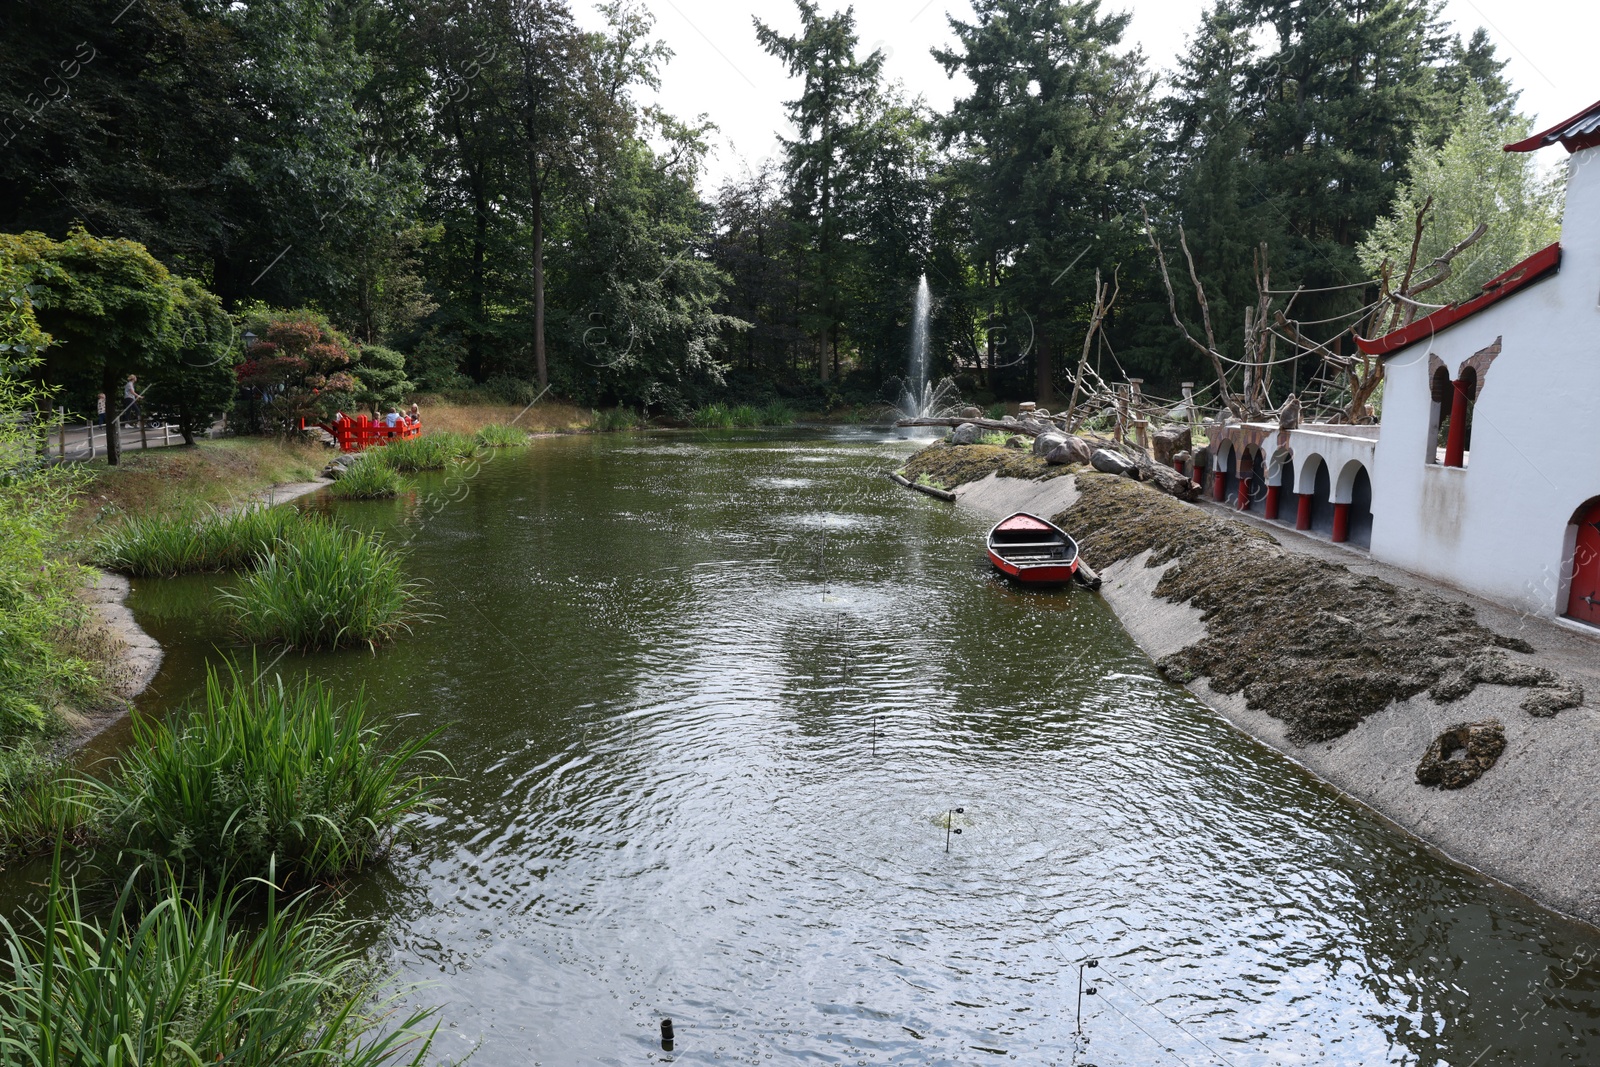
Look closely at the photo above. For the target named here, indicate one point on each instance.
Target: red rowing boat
(1033, 550)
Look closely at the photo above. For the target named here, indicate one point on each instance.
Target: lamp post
(249, 343)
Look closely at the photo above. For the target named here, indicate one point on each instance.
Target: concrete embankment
(1350, 668)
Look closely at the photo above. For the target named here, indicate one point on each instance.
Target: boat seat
(1029, 544)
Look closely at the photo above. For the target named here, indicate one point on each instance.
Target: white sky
(719, 69)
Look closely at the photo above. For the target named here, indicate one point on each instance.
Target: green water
(709, 701)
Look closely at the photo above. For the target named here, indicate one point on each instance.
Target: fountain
(920, 398)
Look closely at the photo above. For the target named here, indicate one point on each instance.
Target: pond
(712, 703)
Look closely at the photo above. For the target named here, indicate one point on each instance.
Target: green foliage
(1470, 180)
(369, 478)
(430, 452)
(38, 582)
(614, 419)
(744, 415)
(996, 411)
(499, 435)
(262, 779)
(712, 417)
(40, 802)
(777, 413)
(298, 368)
(326, 587)
(194, 381)
(381, 382)
(214, 539)
(186, 981)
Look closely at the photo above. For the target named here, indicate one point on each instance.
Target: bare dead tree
(1209, 346)
(1105, 296)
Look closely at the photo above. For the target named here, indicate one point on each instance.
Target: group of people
(395, 419)
(131, 412)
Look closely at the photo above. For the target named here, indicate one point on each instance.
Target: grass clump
(777, 413)
(500, 435)
(214, 539)
(712, 417)
(744, 416)
(39, 803)
(258, 780)
(369, 479)
(430, 452)
(186, 982)
(326, 587)
(615, 420)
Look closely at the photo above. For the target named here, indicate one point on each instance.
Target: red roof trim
(1563, 131)
(1543, 262)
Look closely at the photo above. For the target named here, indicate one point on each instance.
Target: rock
(1459, 756)
(1019, 441)
(1067, 450)
(1113, 463)
(1035, 426)
(1009, 420)
(1169, 441)
(1045, 442)
(1027, 406)
(970, 412)
(1545, 702)
(966, 434)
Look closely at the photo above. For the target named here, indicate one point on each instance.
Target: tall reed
(615, 419)
(262, 777)
(369, 479)
(192, 982)
(777, 413)
(712, 417)
(744, 415)
(213, 539)
(430, 452)
(40, 802)
(500, 435)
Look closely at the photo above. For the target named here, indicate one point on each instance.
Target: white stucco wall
(1499, 526)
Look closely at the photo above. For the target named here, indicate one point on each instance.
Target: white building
(1509, 383)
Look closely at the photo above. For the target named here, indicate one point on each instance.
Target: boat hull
(1034, 573)
(1032, 550)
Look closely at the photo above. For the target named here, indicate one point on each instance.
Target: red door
(1583, 604)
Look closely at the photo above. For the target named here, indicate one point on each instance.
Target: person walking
(100, 409)
(130, 398)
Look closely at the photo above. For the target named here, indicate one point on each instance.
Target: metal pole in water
(950, 827)
(666, 1035)
(1081, 991)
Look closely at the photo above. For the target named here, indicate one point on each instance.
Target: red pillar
(1302, 515)
(1341, 522)
(1455, 445)
(1219, 485)
(1270, 507)
(1242, 502)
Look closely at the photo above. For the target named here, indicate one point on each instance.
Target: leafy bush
(430, 452)
(996, 411)
(381, 382)
(368, 479)
(300, 368)
(777, 413)
(509, 390)
(188, 543)
(712, 417)
(499, 435)
(616, 419)
(261, 779)
(744, 416)
(326, 587)
(39, 802)
(187, 982)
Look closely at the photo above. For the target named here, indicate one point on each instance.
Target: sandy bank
(1350, 668)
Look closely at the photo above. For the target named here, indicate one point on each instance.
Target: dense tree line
(476, 183)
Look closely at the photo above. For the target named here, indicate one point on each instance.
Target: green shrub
(744, 415)
(191, 542)
(39, 802)
(430, 452)
(995, 438)
(261, 779)
(186, 982)
(499, 435)
(369, 479)
(326, 587)
(777, 413)
(615, 419)
(712, 417)
(996, 411)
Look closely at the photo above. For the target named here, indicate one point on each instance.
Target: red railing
(361, 433)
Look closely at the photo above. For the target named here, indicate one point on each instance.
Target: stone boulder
(1035, 425)
(1065, 450)
(1045, 442)
(970, 412)
(1113, 463)
(1019, 441)
(966, 434)
(1168, 442)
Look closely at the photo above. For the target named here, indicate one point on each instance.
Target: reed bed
(40, 803)
(369, 479)
(326, 587)
(262, 779)
(614, 420)
(430, 452)
(777, 413)
(211, 539)
(744, 415)
(193, 981)
(712, 417)
(501, 435)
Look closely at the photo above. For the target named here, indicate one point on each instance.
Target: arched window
(1441, 393)
(1458, 436)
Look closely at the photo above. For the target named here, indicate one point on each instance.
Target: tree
(107, 303)
(827, 115)
(299, 369)
(192, 380)
(1467, 181)
(1051, 144)
(381, 378)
